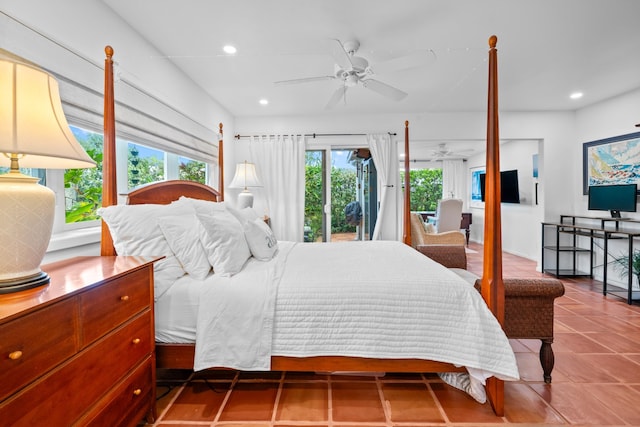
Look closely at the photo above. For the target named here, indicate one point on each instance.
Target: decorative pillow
(135, 232)
(182, 234)
(429, 228)
(262, 242)
(224, 242)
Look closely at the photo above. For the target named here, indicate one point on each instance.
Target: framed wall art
(476, 195)
(610, 161)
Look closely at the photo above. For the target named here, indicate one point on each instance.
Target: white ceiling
(547, 49)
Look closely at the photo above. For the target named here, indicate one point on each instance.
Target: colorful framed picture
(476, 194)
(610, 161)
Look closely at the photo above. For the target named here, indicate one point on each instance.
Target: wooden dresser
(80, 351)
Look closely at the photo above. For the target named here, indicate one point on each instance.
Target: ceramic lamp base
(26, 220)
(245, 199)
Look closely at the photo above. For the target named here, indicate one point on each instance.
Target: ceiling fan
(443, 152)
(351, 70)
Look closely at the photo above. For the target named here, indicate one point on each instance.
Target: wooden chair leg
(547, 359)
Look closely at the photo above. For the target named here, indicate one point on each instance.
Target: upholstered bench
(528, 312)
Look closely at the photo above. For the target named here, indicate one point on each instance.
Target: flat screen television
(613, 198)
(509, 189)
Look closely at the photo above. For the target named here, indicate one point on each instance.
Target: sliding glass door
(338, 197)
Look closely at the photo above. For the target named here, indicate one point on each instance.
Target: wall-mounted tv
(509, 189)
(613, 198)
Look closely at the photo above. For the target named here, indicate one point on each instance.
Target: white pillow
(224, 242)
(182, 234)
(201, 206)
(135, 232)
(429, 228)
(243, 215)
(262, 242)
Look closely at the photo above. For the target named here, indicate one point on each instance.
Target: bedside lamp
(33, 133)
(244, 178)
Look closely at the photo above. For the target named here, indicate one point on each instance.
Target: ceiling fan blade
(416, 59)
(384, 89)
(340, 56)
(303, 80)
(336, 97)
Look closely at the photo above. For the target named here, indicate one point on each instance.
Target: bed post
(109, 190)
(407, 189)
(220, 163)
(492, 284)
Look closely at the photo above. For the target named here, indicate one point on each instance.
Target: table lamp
(34, 133)
(244, 178)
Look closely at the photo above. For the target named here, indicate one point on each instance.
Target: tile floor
(596, 380)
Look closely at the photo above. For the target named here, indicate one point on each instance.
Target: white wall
(617, 116)
(63, 34)
(614, 117)
(516, 238)
(521, 232)
(561, 133)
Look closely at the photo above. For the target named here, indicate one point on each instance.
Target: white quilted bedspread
(378, 299)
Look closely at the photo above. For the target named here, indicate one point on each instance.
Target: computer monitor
(613, 198)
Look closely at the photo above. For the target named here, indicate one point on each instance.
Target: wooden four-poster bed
(181, 356)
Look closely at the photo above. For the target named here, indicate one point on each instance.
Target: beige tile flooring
(596, 380)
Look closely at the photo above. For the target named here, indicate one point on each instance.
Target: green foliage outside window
(192, 170)
(426, 188)
(83, 187)
(343, 191)
(313, 196)
(144, 170)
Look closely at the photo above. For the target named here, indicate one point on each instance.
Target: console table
(606, 229)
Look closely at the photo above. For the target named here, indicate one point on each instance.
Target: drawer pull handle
(137, 392)
(15, 355)
(124, 298)
(136, 341)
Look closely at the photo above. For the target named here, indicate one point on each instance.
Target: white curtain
(453, 179)
(385, 157)
(280, 163)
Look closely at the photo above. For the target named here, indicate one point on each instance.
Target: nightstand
(81, 349)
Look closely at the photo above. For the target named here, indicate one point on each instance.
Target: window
(38, 173)
(192, 170)
(145, 165)
(83, 187)
(426, 189)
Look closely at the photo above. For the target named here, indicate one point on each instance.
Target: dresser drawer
(61, 397)
(129, 400)
(105, 307)
(36, 343)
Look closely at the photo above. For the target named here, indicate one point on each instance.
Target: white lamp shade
(245, 176)
(32, 123)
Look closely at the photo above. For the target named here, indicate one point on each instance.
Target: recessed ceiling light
(576, 95)
(264, 101)
(230, 49)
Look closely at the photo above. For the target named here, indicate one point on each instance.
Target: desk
(465, 222)
(604, 231)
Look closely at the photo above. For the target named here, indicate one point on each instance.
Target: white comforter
(376, 299)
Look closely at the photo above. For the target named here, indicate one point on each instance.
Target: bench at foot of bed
(528, 312)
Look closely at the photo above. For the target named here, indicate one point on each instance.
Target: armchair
(447, 248)
(420, 236)
(448, 215)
